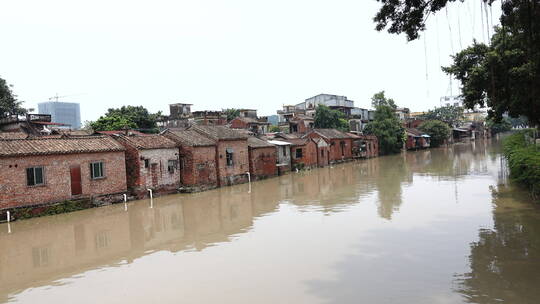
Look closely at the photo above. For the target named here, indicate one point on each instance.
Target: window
(146, 163)
(342, 145)
(171, 165)
(298, 153)
(34, 176)
(322, 153)
(96, 170)
(284, 151)
(229, 156)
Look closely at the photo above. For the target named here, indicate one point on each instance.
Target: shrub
(523, 161)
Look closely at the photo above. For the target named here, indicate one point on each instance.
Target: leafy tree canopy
(438, 130)
(9, 105)
(504, 125)
(327, 118)
(505, 75)
(451, 115)
(379, 99)
(231, 113)
(127, 117)
(388, 129)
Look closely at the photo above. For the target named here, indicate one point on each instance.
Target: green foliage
(274, 129)
(9, 105)
(504, 75)
(438, 130)
(327, 118)
(499, 127)
(451, 115)
(127, 117)
(231, 113)
(59, 208)
(379, 99)
(388, 129)
(523, 161)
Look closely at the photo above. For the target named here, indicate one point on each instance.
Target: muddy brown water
(435, 226)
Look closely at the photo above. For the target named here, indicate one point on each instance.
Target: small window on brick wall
(172, 165)
(35, 176)
(96, 170)
(229, 154)
(146, 163)
(298, 153)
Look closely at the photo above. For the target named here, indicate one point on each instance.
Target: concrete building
(47, 170)
(68, 113)
(179, 116)
(151, 163)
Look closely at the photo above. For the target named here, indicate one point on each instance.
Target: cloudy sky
(219, 54)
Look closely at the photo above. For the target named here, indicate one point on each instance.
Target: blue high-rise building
(68, 113)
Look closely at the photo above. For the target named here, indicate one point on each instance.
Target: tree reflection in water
(505, 262)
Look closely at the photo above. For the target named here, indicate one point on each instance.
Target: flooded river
(434, 226)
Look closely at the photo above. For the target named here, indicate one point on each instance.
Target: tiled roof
(352, 135)
(13, 135)
(149, 141)
(331, 133)
(219, 132)
(254, 142)
(121, 132)
(287, 135)
(47, 146)
(415, 132)
(189, 138)
(297, 141)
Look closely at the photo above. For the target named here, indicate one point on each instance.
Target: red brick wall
(309, 154)
(14, 192)
(335, 149)
(262, 162)
(238, 124)
(236, 173)
(323, 156)
(199, 166)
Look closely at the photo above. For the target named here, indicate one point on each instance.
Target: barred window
(172, 165)
(229, 154)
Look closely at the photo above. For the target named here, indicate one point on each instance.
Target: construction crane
(56, 97)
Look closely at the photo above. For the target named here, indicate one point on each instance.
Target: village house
(262, 158)
(303, 153)
(48, 170)
(197, 159)
(232, 158)
(340, 143)
(416, 139)
(283, 152)
(251, 124)
(364, 146)
(209, 118)
(301, 124)
(323, 152)
(151, 163)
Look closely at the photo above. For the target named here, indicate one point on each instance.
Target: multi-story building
(67, 113)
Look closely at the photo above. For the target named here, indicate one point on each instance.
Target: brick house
(283, 152)
(301, 124)
(48, 170)
(232, 158)
(197, 159)
(416, 139)
(323, 152)
(262, 158)
(151, 163)
(303, 152)
(340, 143)
(364, 146)
(251, 124)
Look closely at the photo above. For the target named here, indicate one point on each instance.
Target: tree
(505, 75)
(327, 118)
(379, 99)
(499, 127)
(231, 113)
(274, 129)
(451, 115)
(388, 129)
(9, 105)
(132, 117)
(437, 130)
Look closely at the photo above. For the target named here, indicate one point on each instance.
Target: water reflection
(505, 261)
(398, 228)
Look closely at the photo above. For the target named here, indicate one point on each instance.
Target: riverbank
(523, 157)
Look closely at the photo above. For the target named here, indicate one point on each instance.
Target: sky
(219, 54)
